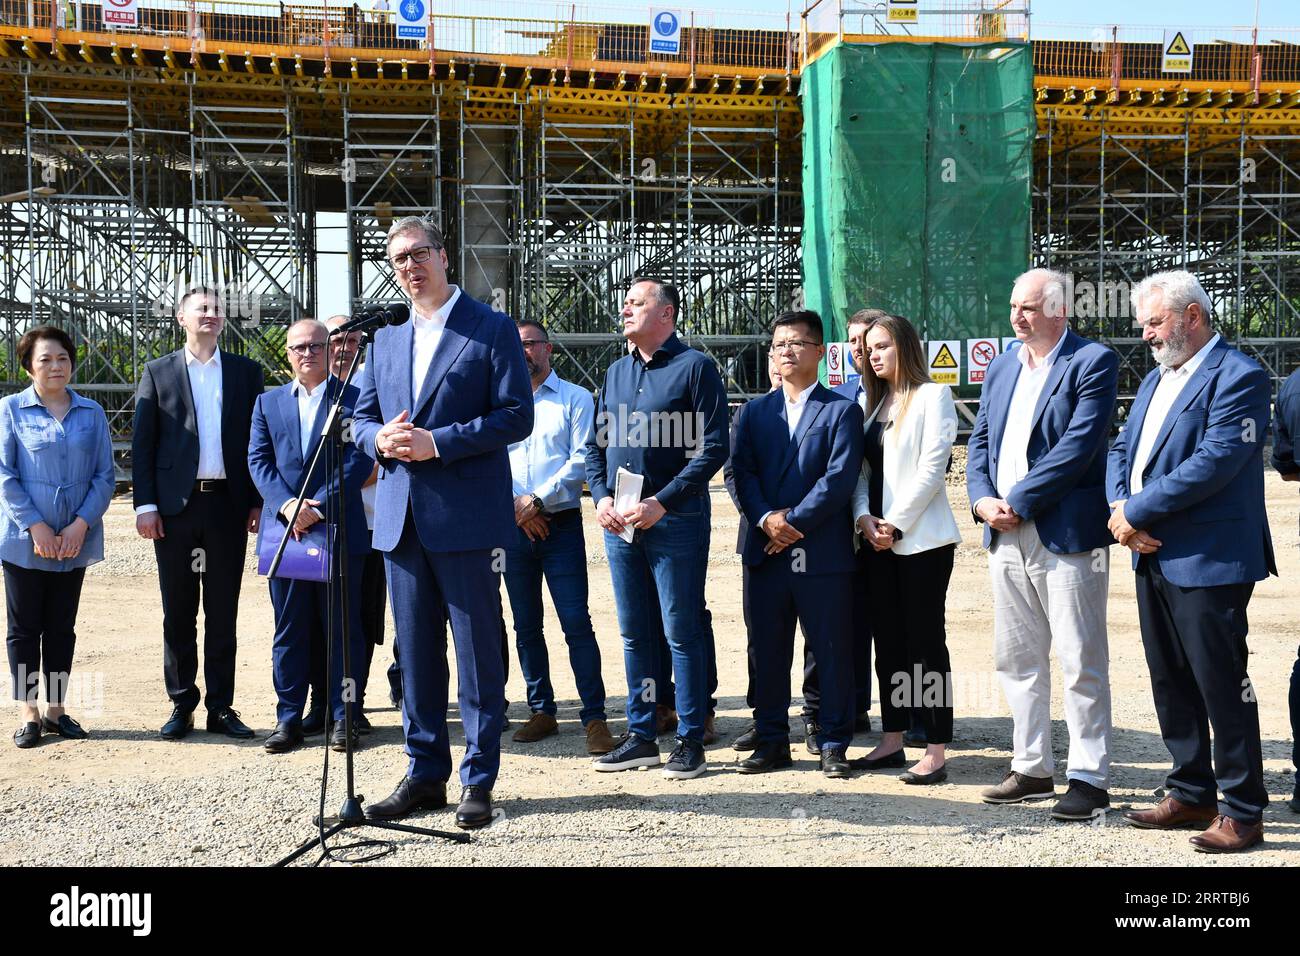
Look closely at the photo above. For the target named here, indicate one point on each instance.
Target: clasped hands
(780, 532)
(878, 532)
(1129, 536)
(646, 514)
(530, 519)
(400, 439)
(66, 544)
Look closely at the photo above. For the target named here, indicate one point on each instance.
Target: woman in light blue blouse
(56, 479)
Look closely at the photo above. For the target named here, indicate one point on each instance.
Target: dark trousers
(560, 559)
(374, 599)
(394, 672)
(1294, 701)
(861, 647)
(42, 609)
(1195, 643)
(303, 615)
(201, 555)
(780, 598)
(909, 592)
(430, 589)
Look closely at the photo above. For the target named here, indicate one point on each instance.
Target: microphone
(375, 317)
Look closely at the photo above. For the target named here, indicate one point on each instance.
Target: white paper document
(627, 495)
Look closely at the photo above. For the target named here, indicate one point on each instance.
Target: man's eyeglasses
(531, 343)
(403, 260)
(310, 348)
(794, 345)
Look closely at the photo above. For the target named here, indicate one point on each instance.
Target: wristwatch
(537, 503)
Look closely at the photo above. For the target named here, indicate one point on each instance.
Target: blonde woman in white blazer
(902, 513)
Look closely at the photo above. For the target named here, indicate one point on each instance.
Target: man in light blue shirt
(548, 469)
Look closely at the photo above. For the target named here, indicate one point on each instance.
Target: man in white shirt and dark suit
(1186, 481)
(194, 499)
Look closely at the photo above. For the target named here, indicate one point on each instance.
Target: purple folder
(305, 559)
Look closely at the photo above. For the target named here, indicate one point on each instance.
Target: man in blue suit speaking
(1036, 476)
(286, 428)
(796, 459)
(1186, 481)
(443, 397)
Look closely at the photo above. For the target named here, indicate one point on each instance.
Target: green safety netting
(916, 175)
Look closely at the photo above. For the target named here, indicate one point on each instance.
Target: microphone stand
(350, 815)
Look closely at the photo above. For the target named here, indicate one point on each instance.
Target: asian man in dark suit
(194, 499)
(443, 397)
(796, 459)
(1185, 480)
(287, 426)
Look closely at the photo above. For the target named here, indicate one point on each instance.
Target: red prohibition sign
(983, 353)
(120, 3)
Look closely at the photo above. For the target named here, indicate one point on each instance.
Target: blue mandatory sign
(665, 24)
(413, 13)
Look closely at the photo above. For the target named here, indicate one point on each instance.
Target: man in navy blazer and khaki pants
(443, 397)
(796, 458)
(1186, 482)
(1036, 474)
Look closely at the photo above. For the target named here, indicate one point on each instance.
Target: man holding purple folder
(287, 425)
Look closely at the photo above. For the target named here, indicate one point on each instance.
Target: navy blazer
(277, 461)
(1203, 488)
(813, 474)
(165, 442)
(476, 400)
(1064, 493)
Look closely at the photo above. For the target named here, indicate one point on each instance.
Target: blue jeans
(662, 573)
(561, 558)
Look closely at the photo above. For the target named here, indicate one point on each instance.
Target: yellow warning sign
(901, 11)
(1177, 53)
(943, 362)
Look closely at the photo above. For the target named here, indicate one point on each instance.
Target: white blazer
(915, 463)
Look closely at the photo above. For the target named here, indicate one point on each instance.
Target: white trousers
(1041, 599)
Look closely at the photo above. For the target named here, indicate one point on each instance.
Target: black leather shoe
(924, 779)
(811, 730)
(28, 735)
(361, 723)
(410, 795)
(475, 808)
(834, 763)
(748, 740)
(772, 755)
(287, 736)
(339, 738)
(227, 722)
(180, 723)
(314, 720)
(889, 762)
(65, 726)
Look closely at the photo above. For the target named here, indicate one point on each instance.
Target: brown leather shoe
(665, 719)
(1171, 814)
(599, 739)
(710, 732)
(1227, 835)
(539, 726)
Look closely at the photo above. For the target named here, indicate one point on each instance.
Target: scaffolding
(562, 158)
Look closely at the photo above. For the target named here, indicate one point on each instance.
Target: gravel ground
(126, 797)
